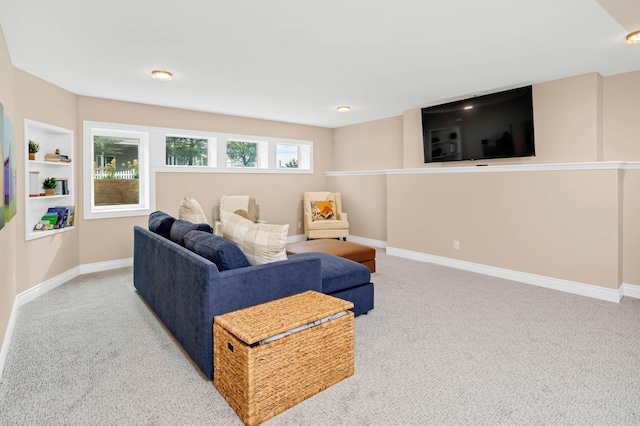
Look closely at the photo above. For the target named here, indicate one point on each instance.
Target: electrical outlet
(456, 245)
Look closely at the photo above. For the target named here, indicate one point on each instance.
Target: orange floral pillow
(322, 210)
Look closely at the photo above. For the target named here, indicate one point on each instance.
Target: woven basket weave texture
(262, 381)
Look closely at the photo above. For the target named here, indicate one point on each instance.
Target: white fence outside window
(124, 174)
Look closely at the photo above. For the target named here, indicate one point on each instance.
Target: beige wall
(573, 225)
(364, 199)
(44, 258)
(567, 120)
(630, 230)
(8, 234)
(375, 145)
(561, 224)
(621, 129)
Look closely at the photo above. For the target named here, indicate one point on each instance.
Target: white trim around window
(146, 186)
(153, 160)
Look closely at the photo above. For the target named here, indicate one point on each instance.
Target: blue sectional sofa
(187, 276)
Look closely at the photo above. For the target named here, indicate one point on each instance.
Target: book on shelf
(62, 186)
(57, 158)
(60, 213)
(50, 220)
(56, 217)
(70, 215)
(42, 225)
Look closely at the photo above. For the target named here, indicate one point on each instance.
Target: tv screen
(499, 125)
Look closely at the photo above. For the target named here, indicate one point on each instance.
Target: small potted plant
(49, 184)
(33, 148)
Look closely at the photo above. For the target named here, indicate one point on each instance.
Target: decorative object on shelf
(49, 185)
(62, 186)
(33, 148)
(34, 178)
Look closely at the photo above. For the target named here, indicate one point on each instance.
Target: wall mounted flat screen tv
(498, 125)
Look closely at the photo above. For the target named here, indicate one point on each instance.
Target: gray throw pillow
(160, 223)
(180, 228)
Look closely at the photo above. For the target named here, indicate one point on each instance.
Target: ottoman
(352, 251)
(270, 357)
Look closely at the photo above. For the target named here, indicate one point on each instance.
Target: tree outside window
(182, 151)
(242, 154)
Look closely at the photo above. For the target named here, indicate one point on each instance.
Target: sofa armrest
(217, 228)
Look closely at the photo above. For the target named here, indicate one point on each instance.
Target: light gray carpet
(442, 346)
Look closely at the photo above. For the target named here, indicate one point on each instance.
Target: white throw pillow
(260, 242)
(191, 211)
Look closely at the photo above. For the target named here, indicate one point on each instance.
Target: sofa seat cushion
(180, 228)
(224, 253)
(338, 273)
(160, 223)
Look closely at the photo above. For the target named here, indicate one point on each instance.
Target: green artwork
(9, 155)
(2, 156)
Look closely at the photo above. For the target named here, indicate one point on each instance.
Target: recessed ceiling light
(344, 108)
(161, 75)
(634, 37)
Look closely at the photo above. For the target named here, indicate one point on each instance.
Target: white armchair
(323, 215)
(243, 205)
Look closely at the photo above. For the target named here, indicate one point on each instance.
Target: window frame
(146, 185)
(211, 149)
(153, 157)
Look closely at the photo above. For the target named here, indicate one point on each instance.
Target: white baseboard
(7, 337)
(573, 287)
(630, 290)
(44, 287)
(367, 241)
(105, 266)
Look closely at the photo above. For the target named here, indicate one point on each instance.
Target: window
(116, 170)
(120, 162)
(187, 151)
(287, 156)
(242, 154)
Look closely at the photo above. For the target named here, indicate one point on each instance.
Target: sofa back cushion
(160, 223)
(224, 253)
(180, 228)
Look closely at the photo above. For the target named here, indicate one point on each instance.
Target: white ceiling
(296, 61)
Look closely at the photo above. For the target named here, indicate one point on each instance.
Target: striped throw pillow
(260, 242)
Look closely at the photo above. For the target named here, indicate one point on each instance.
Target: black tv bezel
(484, 100)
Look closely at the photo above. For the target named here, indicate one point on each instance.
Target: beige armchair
(244, 205)
(323, 215)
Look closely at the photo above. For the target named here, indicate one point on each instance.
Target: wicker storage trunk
(260, 381)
